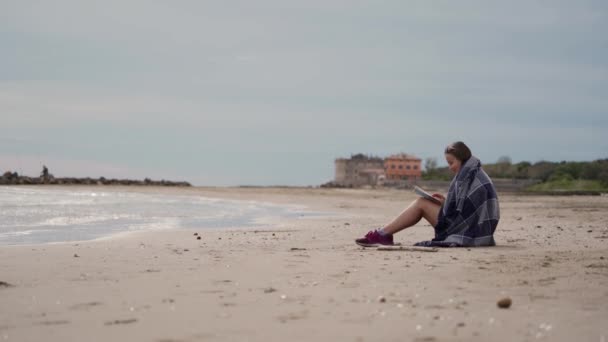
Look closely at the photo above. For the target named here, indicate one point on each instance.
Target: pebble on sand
(381, 299)
(504, 303)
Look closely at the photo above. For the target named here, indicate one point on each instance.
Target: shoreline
(300, 280)
(253, 214)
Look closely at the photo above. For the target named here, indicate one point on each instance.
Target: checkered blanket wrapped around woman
(470, 213)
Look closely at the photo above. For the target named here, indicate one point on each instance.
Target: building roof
(361, 157)
(403, 156)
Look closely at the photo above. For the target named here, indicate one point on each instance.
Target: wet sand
(305, 279)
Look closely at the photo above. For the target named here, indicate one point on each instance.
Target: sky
(270, 92)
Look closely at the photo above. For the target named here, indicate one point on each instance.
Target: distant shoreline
(13, 178)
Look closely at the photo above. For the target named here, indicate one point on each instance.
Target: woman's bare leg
(411, 215)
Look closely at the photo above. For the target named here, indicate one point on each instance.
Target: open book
(426, 195)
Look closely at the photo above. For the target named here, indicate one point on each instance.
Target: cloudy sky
(271, 91)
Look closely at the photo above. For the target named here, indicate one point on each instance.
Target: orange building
(403, 166)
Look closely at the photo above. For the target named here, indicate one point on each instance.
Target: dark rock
(504, 303)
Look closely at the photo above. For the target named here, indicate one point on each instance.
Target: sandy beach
(305, 279)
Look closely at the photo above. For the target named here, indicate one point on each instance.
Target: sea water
(30, 215)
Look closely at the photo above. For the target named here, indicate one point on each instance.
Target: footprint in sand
(121, 321)
(293, 316)
(58, 322)
(85, 306)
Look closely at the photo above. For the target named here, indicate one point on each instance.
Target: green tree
(573, 169)
(542, 170)
(430, 164)
(521, 170)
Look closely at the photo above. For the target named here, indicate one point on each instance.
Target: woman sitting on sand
(467, 217)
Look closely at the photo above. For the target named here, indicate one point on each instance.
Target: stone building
(359, 170)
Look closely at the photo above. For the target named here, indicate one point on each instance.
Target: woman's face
(453, 163)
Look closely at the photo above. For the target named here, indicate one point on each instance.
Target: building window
(415, 167)
(408, 167)
(400, 167)
(393, 166)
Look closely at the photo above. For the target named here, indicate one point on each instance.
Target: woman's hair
(459, 150)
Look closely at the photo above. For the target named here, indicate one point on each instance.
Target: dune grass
(570, 185)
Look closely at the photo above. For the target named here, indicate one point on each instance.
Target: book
(426, 195)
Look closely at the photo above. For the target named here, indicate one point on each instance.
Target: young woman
(468, 216)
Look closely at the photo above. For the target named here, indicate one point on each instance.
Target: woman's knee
(419, 202)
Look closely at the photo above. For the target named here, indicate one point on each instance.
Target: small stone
(269, 290)
(461, 324)
(347, 224)
(504, 303)
(76, 256)
(590, 231)
(198, 237)
(381, 299)
(601, 258)
(195, 234)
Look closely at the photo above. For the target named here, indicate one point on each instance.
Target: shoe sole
(372, 245)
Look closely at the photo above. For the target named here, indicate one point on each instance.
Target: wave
(31, 215)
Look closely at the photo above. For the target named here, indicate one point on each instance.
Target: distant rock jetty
(13, 178)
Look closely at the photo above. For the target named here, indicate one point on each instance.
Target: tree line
(544, 171)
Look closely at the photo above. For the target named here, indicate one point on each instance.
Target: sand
(305, 279)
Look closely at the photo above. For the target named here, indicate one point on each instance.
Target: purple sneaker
(374, 239)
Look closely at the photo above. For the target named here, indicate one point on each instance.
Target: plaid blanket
(470, 213)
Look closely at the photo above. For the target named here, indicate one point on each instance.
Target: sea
(40, 215)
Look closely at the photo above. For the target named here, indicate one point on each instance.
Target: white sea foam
(41, 215)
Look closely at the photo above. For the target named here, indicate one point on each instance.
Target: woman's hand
(439, 197)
